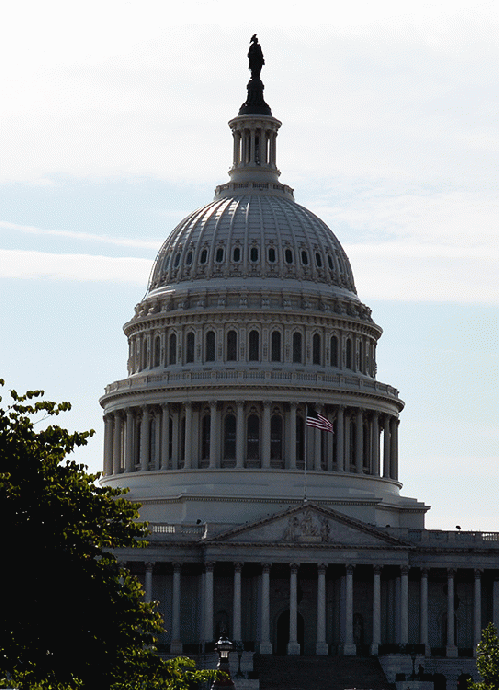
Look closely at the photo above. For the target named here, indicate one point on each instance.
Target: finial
(255, 105)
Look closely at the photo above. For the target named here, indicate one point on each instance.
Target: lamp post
(223, 648)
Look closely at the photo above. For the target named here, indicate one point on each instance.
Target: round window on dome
(236, 254)
(219, 256)
(254, 254)
(288, 256)
(318, 260)
(204, 256)
(272, 255)
(188, 259)
(177, 260)
(304, 258)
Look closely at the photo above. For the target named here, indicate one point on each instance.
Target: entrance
(282, 632)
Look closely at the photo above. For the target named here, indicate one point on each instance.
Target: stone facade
(292, 539)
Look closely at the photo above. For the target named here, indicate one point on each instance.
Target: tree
(487, 660)
(71, 617)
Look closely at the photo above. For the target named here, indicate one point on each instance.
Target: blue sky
(114, 127)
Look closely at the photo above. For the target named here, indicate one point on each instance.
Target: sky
(114, 128)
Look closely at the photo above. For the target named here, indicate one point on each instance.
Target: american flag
(320, 422)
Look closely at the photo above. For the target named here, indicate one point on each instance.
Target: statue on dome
(255, 55)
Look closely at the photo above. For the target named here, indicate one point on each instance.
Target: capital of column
(321, 567)
(238, 567)
(149, 566)
(177, 567)
(349, 567)
(266, 567)
(478, 572)
(451, 573)
(294, 567)
(209, 567)
(378, 569)
(404, 570)
(425, 572)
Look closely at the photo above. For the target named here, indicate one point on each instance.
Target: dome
(253, 237)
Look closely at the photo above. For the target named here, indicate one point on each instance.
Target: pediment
(309, 524)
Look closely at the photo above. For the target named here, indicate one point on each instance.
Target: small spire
(255, 104)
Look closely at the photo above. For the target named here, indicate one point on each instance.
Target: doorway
(282, 633)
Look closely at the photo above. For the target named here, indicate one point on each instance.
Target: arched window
(316, 349)
(349, 354)
(232, 346)
(253, 442)
(219, 256)
(230, 437)
(361, 356)
(172, 350)
(144, 352)
(157, 351)
(304, 257)
(276, 346)
(188, 259)
(210, 347)
(236, 255)
(288, 256)
(334, 351)
(297, 348)
(272, 255)
(205, 437)
(254, 254)
(318, 260)
(300, 439)
(189, 349)
(182, 443)
(177, 259)
(254, 346)
(330, 262)
(276, 437)
(204, 256)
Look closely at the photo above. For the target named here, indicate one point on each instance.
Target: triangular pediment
(309, 524)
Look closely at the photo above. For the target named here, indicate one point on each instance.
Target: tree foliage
(487, 660)
(71, 617)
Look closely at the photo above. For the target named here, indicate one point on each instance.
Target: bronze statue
(255, 56)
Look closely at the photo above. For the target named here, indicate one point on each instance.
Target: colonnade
(349, 643)
(196, 435)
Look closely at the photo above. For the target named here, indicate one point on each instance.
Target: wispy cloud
(81, 236)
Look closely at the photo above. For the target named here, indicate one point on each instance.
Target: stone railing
(185, 377)
(454, 537)
(162, 530)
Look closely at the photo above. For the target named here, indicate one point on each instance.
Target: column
(129, 426)
(477, 609)
(349, 648)
(208, 602)
(291, 452)
(108, 444)
(144, 439)
(188, 436)
(386, 446)
(157, 439)
(265, 644)
(394, 448)
(213, 434)
(175, 438)
(118, 427)
(236, 623)
(293, 646)
(340, 436)
(266, 434)
(165, 436)
(347, 442)
(252, 146)
(359, 441)
(404, 605)
(376, 610)
(240, 437)
(375, 446)
(176, 644)
(451, 649)
(322, 646)
(148, 582)
(423, 615)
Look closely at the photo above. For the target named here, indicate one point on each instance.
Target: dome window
(230, 437)
(297, 348)
(188, 259)
(231, 346)
(189, 350)
(276, 346)
(349, 354)
(330, 262)
(272, 255)
(318, 260)
(204, 256)
(254, 254)
(236, 255)
(254, 346)
(177, 260)
(316, 349)
(219, 256)
(166, 262)
(304, 258)
(334, 351)
(288, 256)
(172, 359)
(253, 438)
(210, 346)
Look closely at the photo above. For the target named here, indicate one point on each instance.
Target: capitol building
(294, 539)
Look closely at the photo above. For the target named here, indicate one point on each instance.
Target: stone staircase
(319, 673)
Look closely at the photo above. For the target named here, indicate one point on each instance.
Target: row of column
(126, 450)
(254, 146)
(322, 648)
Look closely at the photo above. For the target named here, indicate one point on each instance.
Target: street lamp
(223, 648)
